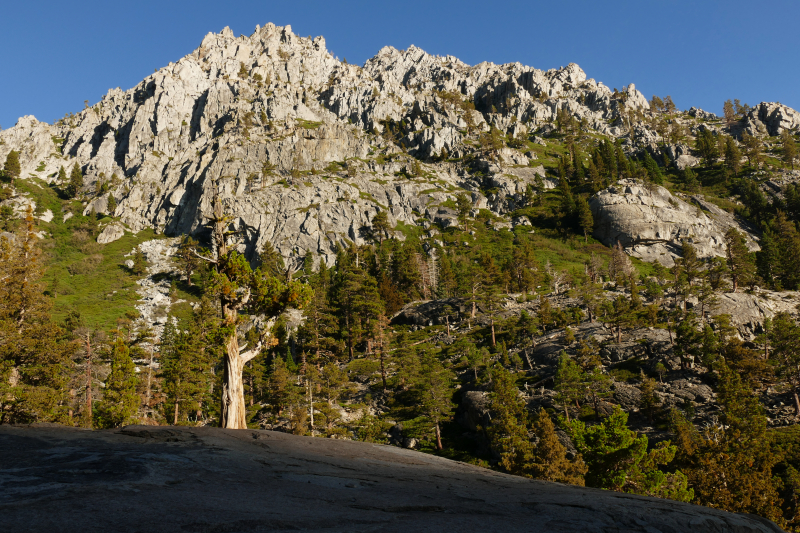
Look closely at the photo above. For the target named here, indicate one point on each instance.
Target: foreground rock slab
(145, 478)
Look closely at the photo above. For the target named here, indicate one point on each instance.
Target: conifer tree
(549, 460)
(62, 175)
(120, 401)
(784, 253)
(381, 226)
(75, 181)
(35, 353)
(733, 156)
(434, 390)
(585, 218)
(617, 459)
(740, 261)
(112, 204)
(653, 172)
(784, 336)
(707, 146)
(730, 465)
(752, 149)
(508, 432)
(568, 383)
(186, 259)
(464, 207)
(789, 148)
(11, 168)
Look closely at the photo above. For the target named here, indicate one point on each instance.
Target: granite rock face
(213, 119)
(146, 478)
(650, 223)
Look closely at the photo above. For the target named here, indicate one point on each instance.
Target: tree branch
(207, 259)
(250, 354)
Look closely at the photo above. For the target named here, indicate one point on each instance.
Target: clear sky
(55, 55)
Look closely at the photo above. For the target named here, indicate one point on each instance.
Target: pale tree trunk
(438, 437)
(233, 407)
(494, 342)
(234, 412)
(796, 402)
(149, 382)
(89, 378)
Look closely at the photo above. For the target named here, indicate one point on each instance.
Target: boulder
(112, 232)
(650, 223)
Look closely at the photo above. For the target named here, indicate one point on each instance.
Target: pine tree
(585, 218)
(35, 353)
(653, 172)
(11, 168)
(617, 459)
(62, 175)
(649, 399)
(464, 206)
(75, 181)
(740, 261)
(733, 156)
(784, 253)
(508, 432)
(436, 405)
(789, 148)
(707, 146)
(186, 258)
(120, 401)
(112, 204)
(730, 465)
(380, 225)
(549, 461)
(271, 261)
(568, 383)
(784, 336)
(752, 149)
(689, 179)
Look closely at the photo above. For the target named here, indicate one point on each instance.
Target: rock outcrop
(650, 223)
(145, 478)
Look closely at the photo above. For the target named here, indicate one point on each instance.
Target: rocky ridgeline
(215, 117)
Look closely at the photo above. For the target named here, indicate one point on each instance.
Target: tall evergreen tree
(741, 262)
(120, 400)
(730, 465)
(618, 459)
(35, 353)
(435, 394)
(75, 181)
(11, 168)
(789, 148)
(585, 218)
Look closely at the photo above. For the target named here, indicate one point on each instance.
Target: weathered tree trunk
(233, 406)
(149, 381)
(89, 379)
(438, 437)
(796, 402)
(175, 416)
(494, 342)
(234, 412)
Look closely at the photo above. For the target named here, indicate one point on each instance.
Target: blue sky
(55, 55)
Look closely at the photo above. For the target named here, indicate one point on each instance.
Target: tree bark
(438, 437)
(796, 402)
(233, 406)
(234, 412)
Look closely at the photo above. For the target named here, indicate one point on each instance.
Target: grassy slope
(99, 287)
